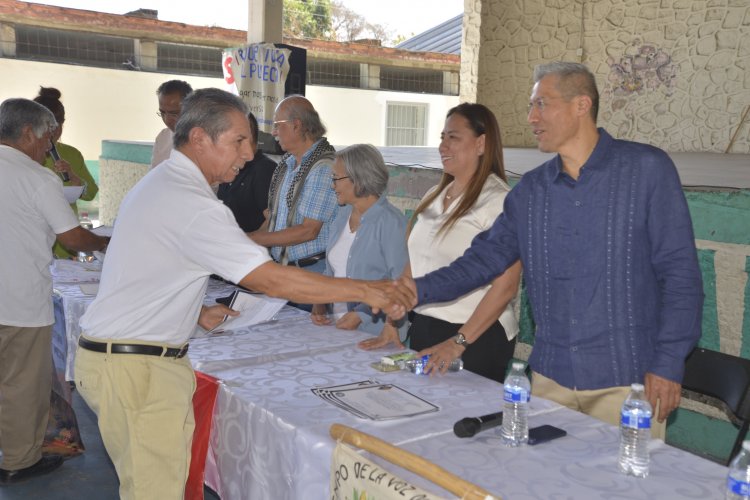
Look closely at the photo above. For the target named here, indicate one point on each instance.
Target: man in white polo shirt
(172, 233)
(33, 213)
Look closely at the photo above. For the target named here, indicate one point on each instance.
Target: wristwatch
(461, 340)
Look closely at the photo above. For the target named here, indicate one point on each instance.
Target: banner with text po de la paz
(257, 73)
(354, 477)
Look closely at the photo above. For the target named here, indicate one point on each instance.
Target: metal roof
(445, 38)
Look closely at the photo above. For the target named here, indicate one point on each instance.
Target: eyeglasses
(336, 179)
(168, 114)
(540, 103)
(279, 122)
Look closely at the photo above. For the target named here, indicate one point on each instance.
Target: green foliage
(307, 19)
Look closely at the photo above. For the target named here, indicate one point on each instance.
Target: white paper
(253, 308)
(72, 193)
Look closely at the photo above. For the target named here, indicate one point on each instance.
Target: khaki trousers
(145, 410)
(604, 404)
(25, 387)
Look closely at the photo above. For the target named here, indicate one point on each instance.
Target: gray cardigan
(378, 252)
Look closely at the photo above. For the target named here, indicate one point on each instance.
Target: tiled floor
(89, 476)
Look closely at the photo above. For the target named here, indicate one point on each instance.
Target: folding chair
(723, 377)
(409, 461)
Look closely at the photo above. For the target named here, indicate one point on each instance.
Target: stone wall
(673, 73)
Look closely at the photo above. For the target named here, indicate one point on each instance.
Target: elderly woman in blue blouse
(367, 238)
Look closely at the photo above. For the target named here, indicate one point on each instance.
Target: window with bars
(332, 73)
(72, 47)
(406, 124)
(188, 59)
(411, 80)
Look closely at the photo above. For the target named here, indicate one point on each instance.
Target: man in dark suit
(247, 195)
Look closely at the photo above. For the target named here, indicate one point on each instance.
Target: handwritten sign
(354, 477)
(257, 73)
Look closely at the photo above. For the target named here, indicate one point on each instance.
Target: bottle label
(738, 487)
(516, 395)
(635, 421)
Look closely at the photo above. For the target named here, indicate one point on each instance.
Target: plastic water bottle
(85, 223)
(516, 394)
(418, 365)
(738, 482)
(635, 433)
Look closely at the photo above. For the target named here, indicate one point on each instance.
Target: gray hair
(17, 113)
(207, 109)
(309, 118)
(364, 165)
(574, 79)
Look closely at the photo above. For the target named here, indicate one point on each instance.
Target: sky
(406, 17)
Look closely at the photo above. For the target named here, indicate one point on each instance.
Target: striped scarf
(322, 149)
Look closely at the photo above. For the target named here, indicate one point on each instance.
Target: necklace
(451, 196)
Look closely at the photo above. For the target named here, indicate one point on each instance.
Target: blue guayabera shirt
(609, 262)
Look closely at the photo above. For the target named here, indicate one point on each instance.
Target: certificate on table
(375, 401)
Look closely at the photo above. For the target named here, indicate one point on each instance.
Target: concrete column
(470, 47)
(7, 40)
(147, 56)
(450, 83)
(369, 76)
(265, 21)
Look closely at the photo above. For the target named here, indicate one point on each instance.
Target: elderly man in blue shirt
(301, 201)
(608, 252)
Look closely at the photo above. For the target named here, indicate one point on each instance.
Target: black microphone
(55, 156)
(469, 426)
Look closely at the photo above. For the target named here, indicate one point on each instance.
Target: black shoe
(45, 464)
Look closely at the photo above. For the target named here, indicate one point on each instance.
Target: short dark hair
(174, 87)
(207, 109)
(253, 126)
(17, 113)
(574, 79)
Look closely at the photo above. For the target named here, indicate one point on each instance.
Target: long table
(270, 432)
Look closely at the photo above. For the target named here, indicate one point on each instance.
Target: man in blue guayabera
(606, 242)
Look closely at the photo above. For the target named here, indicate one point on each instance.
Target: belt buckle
(183, 351)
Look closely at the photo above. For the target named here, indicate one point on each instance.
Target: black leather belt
(150, 350)
(308, 261)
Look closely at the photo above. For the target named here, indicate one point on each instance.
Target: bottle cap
(637, 387)
(517, 365)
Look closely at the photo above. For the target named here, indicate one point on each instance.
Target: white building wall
(104, 104)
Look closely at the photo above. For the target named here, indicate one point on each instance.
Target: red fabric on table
(203, 407)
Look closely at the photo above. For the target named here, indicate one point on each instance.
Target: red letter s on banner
(229, 76)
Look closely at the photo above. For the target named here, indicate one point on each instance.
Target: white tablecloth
(270, 432)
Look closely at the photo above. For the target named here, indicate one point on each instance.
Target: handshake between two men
(393, 297)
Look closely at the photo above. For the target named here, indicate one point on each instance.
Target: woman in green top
(71, 160)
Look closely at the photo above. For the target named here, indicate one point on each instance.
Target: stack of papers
(372, 400)
(72, 193)
(254, 308)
